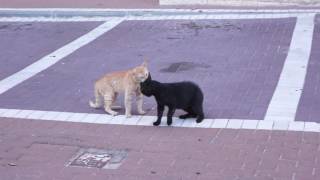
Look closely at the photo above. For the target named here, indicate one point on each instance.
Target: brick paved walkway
(48, 36)
(40, 150)
(239, 85)
(237, 60)
(80, 4)
(229, 4)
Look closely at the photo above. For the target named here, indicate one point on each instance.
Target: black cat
(181, 95)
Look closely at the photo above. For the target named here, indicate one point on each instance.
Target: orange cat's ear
(145, 62)
(134, 70)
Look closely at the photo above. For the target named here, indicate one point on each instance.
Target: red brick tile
(311, 137)
(285, 169)
(290, 154)
(268, 164)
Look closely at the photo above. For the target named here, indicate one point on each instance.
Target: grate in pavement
(97, 158)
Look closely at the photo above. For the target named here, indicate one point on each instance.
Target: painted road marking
(234, 124)
(148, 121)
(297, 57)
(156, 17)
(220, 123)
(284, 102)
(250, 124)
(296, 126)
(281, 125)
(94, 11)
(311, 127)
(265, 125)
(56, 56)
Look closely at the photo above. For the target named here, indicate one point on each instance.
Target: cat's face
(141, 73)
(146, 87)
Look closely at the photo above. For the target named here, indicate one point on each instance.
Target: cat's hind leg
(197, 107)
(190, 114)
(98, 102)
(199, 113)
(171, 111)
(114, 100)
(108, 99)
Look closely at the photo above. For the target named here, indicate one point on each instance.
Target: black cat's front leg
(170, 114)
(160, 113)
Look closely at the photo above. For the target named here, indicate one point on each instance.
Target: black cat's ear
(149, 77)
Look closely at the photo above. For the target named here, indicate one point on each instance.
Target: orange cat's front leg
(140, 102)
(128, 102)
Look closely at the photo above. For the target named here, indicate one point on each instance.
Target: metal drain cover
(97, 158)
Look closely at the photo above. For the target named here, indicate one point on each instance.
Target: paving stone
(46, 38)
(160, 157)
(236, 85)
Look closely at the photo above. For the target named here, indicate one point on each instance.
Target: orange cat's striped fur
(128, 82)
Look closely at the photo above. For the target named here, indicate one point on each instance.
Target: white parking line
(235, 123)
(250, 124)
(148, 121)
(56, 11)
(284, 103)
(56, 56)
(155, 17)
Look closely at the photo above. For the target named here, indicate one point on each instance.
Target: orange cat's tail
(93, 104)
(97, 103)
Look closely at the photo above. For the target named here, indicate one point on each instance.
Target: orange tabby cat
(110, 85)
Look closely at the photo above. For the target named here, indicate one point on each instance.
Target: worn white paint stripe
(220, 123)
(86, 10)
(154, 17)
(281, 125)
(56, 56)
(311, 127)
(245, 3)
(296, 126)
(148, 121)
(221, 16)
(206, 123)
(265, 125)
(284, 103)
(250, 124)
(234, 124)
(54, 19)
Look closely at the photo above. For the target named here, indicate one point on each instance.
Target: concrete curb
(69, 12)
(148, 120)
(239, 3)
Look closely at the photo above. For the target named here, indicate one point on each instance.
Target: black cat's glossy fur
(181, 95)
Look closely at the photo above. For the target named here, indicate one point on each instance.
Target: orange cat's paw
(142, 112)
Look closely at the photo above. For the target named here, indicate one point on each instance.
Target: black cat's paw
(185, 116)
(169, 123)
(157, 123)
(199, 120)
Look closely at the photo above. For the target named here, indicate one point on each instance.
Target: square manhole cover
(97, 158)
